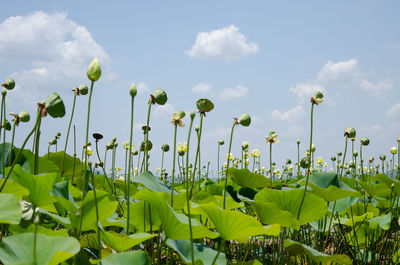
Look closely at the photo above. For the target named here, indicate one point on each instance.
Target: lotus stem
(227, 163)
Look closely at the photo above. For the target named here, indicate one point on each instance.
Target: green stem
(97, 212)
(218, 163)
(12, 142)
(270, 163)
(3, 111)
(197, 152)
(129, 166)
(35, 244)
(66, 139)
(146, 151)
(227, 164)
(36, 165)
(173, 167)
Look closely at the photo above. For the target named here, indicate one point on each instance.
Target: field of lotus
(69, 209)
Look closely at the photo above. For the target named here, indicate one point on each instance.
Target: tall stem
(66, 139)
(129, 166)
(173, 167)
(270, 163)
(3, 111)
(146, 151)
(309, 164)
(218, 163)
(227, 164)
(36, 166)
(197, 152)
(97, 212)
(298, 160)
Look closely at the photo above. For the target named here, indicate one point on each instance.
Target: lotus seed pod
(54, 106)
(273, 134)
(355, 153)
(364, 141)
(318, 94)
(181, 114)
(245, 119)
(9, 84)
(382, 157)
(4, 92)
(165, 147)
(135, 152)
(7, 125)
(333, 158)
(24, 116)
(83, 90)
(313, 148)
(89, 144)
(339, 153)
(221, 142)
(114, 139)
(371, 159)
(350, 132)
(58, 134)
(288, 161)
(192, 114)
(245, 145)
(146, 145)
(133, 90)
(204, 105)
(160, 96)
(94, 72)
(398, 140)
(298, 141)
(89, 163)
(393, 150)
(53, 141)
(305, 162)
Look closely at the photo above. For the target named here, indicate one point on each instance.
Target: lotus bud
(204, 105)
(398, 140)
(4, 92)
(53, 141)
(9, 84)
(24, 116)
(393, 150)
(114, 139)
(83, 90)
(146, 145)
(245, 119)
(351, 164)
(36, 220)
(339, 154)
(89, 163)
(94, 72)
(165, 147)
(333, 158)
(364, 141)
(382, 157)
(135, 152)
(298, 141)
(355, 153)
(197, 128)
(133, 90)
(88, 144)
(350, 132)
(245, 145)
(313, 148)
(192, 114)
(288, 161)
(7, 125)
(221, 142)
(160, 97)
(371, 159)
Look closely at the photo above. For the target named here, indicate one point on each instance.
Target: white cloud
(142, 88)
(237, 92)
(305, 90)
(165, 110)
(289, 115)
(219, 133)
(202, 88)
(344, 70)
(226, 43)
(47, 49)
(378, 88)
(394, 110)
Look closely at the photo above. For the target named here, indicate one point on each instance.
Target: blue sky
(261, 57)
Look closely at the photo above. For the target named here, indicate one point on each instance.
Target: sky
(264, 58)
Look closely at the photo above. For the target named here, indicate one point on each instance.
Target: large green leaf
(121, 242)
(282, 206)
(10, 209)
(68, 167)
(245, 178)
(152, 183)
(39, 186)
(132, 257)
(297, 249)
(202, 253)
(14, 188)
(390, 183)
(44, 165)
(176, 226)
(18, 249)
(328, 186)
(234, 225)
(139, 215)
(383, 221)
(377, 190)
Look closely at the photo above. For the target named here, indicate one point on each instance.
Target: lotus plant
(176, 120)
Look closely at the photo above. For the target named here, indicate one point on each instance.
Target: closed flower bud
(393, 150)
(318, 94)
(204, 105)
(165, 147)
(245, 119)
(398, 140)
(350, 132)
(94, 72)
(133, 90)
(382, 157)
(83, 89)
(355, 153)
(339, 153)
(313, 148)
(197, 128)
(24, 116)
(9, 84)
(245, 145)
(298, 141)
(192, 114)
(3, 92)
(160, 97)
(333, 158)
(7, 125)
(221, 142)
(114, 139)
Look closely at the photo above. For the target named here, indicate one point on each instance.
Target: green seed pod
(393, 150)
(221, 142)
(351, 164)
(371, 159)
(273, 134)
(364, 141)
(58, 134)
(192, 114)
(333, 158)
(133, 90)
(53, 141)
(355, 153)
(245, 119)
(288, 161)
(160, 96)
(318, 94)
(245, 145)
(7, 125)
(181, 114)
(305, 162)
(146, 145)
(94, 72)
(114, 139)
(83, 90)
(54, 106)
(135, 152)
(165, 147)
(110, 145)
(350, 132)
(382, 157)
(298, 141)
(339, 153)
(4, 92)
(204, 105)
(9, 84)
(24, 116)
(313, 148)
